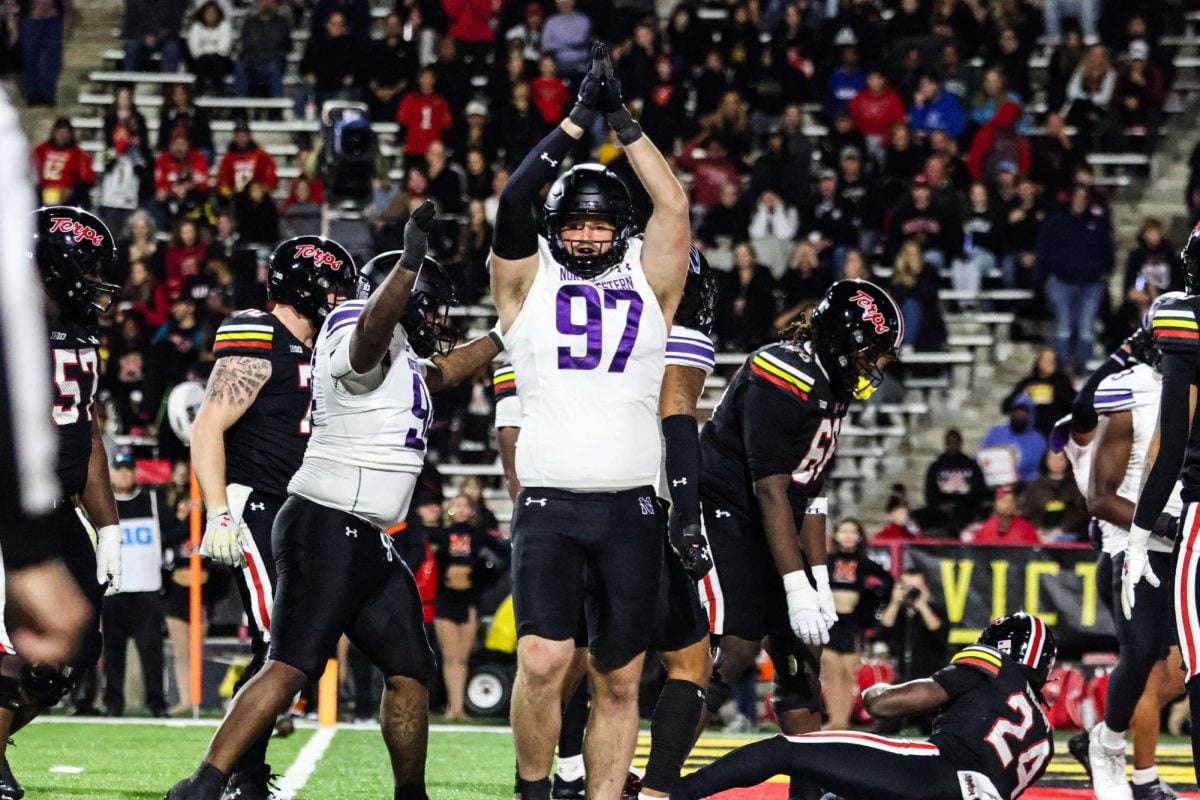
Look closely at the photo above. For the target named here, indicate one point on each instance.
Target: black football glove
(612, 103)
(591, 89)
(1141, 347)
(692, 549)
(416, 236)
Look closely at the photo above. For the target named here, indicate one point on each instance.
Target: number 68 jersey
(589, 358)
(778, 416)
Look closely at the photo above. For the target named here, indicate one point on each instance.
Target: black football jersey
(1177, 335)
(75, 363)
(697, 306)
(264, 448)
(779, 415)
(993, 722)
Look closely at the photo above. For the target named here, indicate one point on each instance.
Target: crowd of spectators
(895, 141)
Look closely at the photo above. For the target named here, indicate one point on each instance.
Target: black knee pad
(797, 692)
(45, 686)
(10, 693)
(717, 694)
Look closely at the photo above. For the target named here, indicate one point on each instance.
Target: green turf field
(69, 760)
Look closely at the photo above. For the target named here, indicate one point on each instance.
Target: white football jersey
(368, 431)
(589, 356)
(1136, 390)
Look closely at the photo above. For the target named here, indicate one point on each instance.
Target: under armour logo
(546, 157)
(721, 514)
(680, 482)
(258, 506)
(351, 531)
(647, 506)
(541, 501)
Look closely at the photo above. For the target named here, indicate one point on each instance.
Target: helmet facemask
(600, 260)
(426, 321)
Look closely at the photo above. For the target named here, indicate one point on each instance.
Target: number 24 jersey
(778, 416)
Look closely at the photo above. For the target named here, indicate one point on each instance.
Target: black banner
(974, 585)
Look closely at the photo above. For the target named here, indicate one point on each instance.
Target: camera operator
(916, 634)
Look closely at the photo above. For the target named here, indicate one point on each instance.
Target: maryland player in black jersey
(71, 249)
(991, 739)
(1174, 455)
(765, 453)
(251, 432)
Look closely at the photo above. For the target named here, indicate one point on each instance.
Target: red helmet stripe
(1037, 637)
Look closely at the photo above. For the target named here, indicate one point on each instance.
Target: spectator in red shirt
(185, 256)
(471, 24)
(998, 142)
(424, 114)
(244, 162)
(64, 170)
(876, 109)
(178, 160)
(710, 169)
(901, 526)
(549, 91)
(1004, 527)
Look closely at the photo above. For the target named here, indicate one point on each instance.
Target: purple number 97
(421, 406)
(592, 325)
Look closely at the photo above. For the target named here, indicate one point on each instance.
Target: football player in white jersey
(1148, 672)
(338, 572)
(585, 309)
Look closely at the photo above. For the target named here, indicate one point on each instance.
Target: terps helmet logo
(870, 311)
(81, 232)
(320, 257)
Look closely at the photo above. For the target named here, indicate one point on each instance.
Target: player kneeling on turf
(991, 740)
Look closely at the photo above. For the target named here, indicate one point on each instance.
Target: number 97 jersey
(589, 355)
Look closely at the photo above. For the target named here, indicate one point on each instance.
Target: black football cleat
(250, 784)
(1078, 746)
(568, 790)
(10, 788)
(1149, 791)
(189, 789)
(633, 784)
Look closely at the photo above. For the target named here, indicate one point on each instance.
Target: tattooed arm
(232, 387)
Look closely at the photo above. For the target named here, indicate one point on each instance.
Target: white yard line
(305, 764)
(300, 723)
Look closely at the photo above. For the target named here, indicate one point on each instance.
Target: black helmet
(1190, 255)
(72, 247)
(593, 191)
(426, 317)
(1142, 345)
(304, 269)
(1026, 640)
(697, 307)
(856, 317)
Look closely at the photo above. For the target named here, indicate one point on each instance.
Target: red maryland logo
(81, 232)
(320, 257)
(870, 311)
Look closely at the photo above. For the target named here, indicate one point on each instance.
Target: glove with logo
(690, 546)
(804, 609)
(587, 103)
(416, 236)
(108, 557)
(222, 540)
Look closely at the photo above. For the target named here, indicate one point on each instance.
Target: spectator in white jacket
(772, 229)
(210, 43)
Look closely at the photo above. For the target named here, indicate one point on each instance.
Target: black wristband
(683, 467)
(623, 124)
(583, 116)
(496, 340)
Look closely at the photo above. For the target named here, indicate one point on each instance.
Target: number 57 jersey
(589, 358)
(778, 416)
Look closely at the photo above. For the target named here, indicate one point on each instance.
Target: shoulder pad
(344, 316)
(246, 333)
(1175, 328)
(987, 660)
(786, 368)
(1119, 391)
(504, 382)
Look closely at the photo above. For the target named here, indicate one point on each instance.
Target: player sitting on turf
(991, 739)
